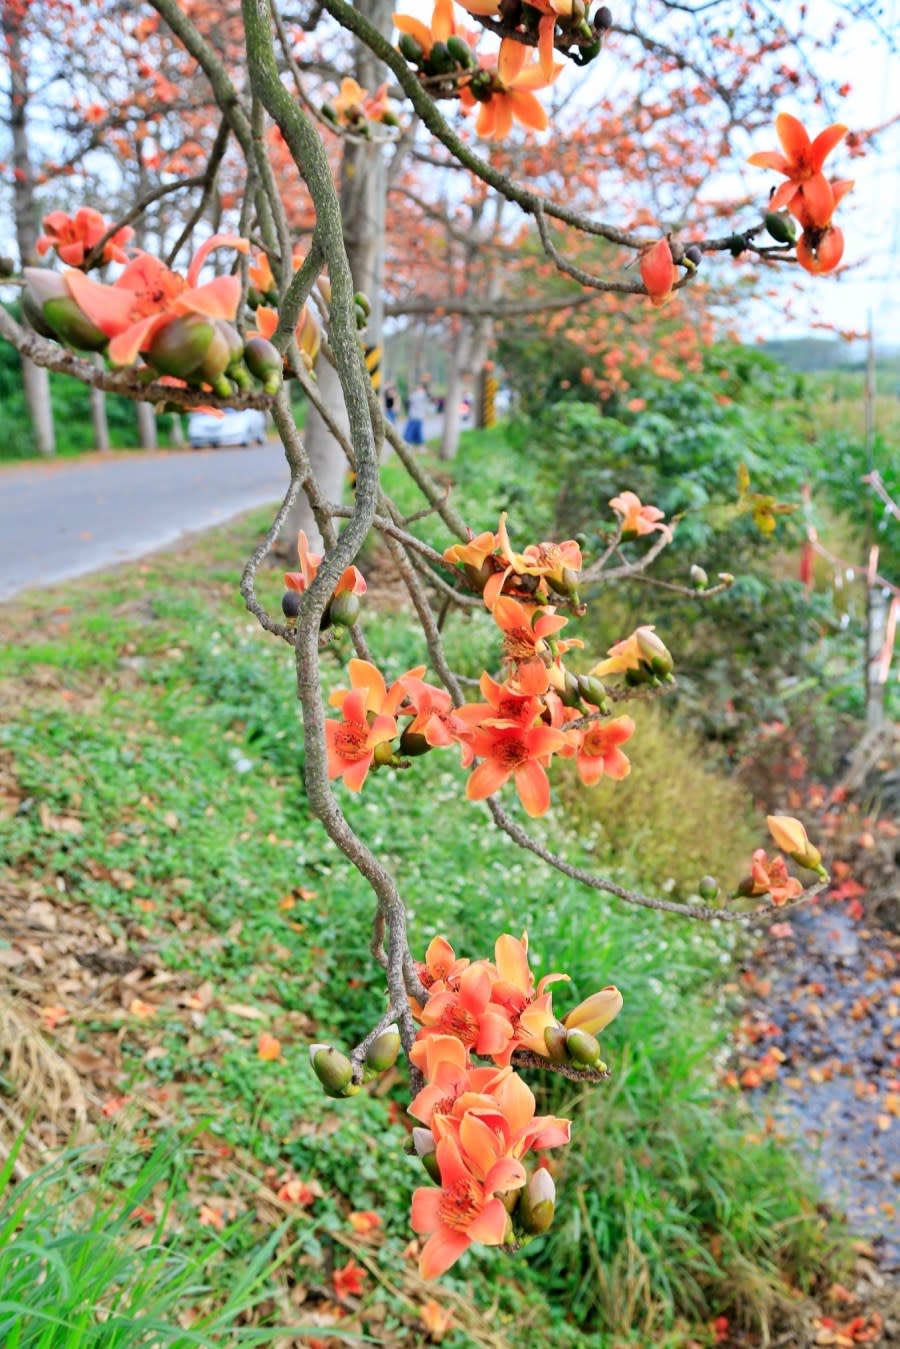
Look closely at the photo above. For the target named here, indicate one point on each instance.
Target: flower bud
(290, 604)
(603, 19)
(333, 1069)
(216, 361)
(654, 652)
(708, 888)
(791, 837)
(426, 1150)
(726, 578)
(583, 1048)
(180, 346)
(410, 49)
(555, 1040)
(698, 577)
(345, 609)
(413, 743)
(264, 363)
(693, 256)
(596, 1012)
(593, 691)
(570, 693)
(382, 1052)
(538, 1203)
(781, 227)
(53, 313)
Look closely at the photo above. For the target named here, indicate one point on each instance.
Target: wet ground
(824, 1023)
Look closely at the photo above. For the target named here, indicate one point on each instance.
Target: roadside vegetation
(154, 835)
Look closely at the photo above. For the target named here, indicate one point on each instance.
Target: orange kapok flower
(380, 699)
(441, 963)
(637, 518)
(807, 189)
(147, 296)
(771, 877)
(524, 633)
(436, 1319)
(658, 272)
(510, 96)
(467, 1013)
(352, 579)
(463, 1210)
(306, 331)
(348, 106)
(74, 237)
(365, 1221)
(351, 743)
(502, 1125)
(599, 752)
(348, 1280)
(624, 655)
(444, 1060)
(517, 752)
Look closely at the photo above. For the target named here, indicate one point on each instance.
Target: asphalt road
(59, 520)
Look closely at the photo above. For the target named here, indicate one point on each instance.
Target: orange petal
(125, 347)
(770, 159)
(484, 127)
(527, 110)
(533, 787)
(442, 24)
(792, 135)
(405, 23)
(546, 31)
(216, 299)
(203, 252)
(356, 774)
(824, 143)
(443, 1250)
(490, 1226)
(510, 60)
(426, 1214)
(503, 116)
(109, 307)
(818, 201)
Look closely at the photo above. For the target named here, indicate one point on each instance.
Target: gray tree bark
(146, 422)
(98, 412)
(363, 189)
(35, 379)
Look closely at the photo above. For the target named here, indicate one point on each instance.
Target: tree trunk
(451, 428)
(146, 421)
(363, 189)
(98, 411)
(35, 379)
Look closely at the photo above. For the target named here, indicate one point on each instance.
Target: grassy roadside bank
(152, 812)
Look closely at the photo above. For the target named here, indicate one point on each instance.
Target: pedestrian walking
(419, 408)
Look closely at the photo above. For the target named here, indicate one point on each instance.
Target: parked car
(239, 426)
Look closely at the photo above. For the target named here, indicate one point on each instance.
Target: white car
(239, 426)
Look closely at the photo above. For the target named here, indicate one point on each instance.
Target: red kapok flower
(351, 742)
(517, 752)
(771, 877)
(599, 752)
(74, 237)
(511, 96)
(463, 1210)
(658, 272)
(352, 579)
(147, 296)
(801, 164)
(348, 1280)
(637, 518)
(467, 1013)
(365, 1222)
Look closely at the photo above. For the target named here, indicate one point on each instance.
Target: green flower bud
(410, 49)
(537, 1204)
(698, 577)
(180, 347)
(345, 609)
(461, 52)
(333, 1069)
(583, 1048)
(654, 652)
(708, 888)
(264, 363)
(382, 1052)
(781, 227)
(413, 743)
(555, 1039)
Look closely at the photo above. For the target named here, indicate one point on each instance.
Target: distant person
(419, 408)
(391, 404)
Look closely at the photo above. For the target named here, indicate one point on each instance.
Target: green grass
(166, 723)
